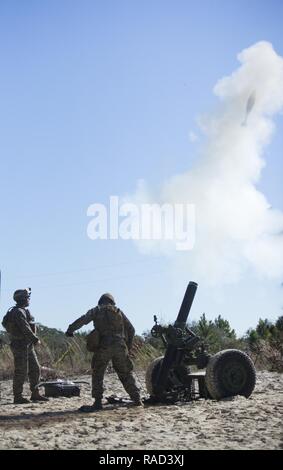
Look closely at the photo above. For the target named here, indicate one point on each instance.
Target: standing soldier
(21, 329)
(116, 334)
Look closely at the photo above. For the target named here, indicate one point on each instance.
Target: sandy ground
(237, 423)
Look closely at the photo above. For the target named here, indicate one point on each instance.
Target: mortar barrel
(171, 353)
(186, 304)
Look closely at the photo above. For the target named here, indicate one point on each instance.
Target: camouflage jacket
(19, 325)
(109, 321)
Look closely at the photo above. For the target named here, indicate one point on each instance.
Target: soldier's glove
(69, 334)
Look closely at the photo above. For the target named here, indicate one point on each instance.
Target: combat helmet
(106, 299)
(22, 294)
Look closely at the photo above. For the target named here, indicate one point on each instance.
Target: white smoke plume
(236, 228)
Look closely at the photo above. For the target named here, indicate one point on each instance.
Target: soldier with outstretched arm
(116, 334)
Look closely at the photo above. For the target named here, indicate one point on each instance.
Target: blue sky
(94, 96)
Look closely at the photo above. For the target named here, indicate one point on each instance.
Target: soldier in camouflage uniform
(116, 334)
(21, 329)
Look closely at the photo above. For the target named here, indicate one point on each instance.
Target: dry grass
(72, 358)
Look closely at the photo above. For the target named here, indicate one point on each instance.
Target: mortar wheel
(151, 373)
(230, 372)
(178, 376)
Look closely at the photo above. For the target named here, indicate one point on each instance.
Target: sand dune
(237, 423)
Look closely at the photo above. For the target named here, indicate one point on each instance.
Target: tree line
(264, 343)
(64, 356)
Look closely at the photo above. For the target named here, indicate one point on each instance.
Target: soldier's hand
(131, 353)
(69, 334)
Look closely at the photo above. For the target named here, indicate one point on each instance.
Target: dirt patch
(237, 423)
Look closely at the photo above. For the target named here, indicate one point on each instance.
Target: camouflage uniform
(22, 345)
(116, 335)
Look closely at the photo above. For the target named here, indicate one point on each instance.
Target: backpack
(6, 322)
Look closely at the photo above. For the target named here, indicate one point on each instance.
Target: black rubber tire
(229, 373)
(179, 375)
(150, 372)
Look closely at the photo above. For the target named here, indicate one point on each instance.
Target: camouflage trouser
(25, 363)
(122, 365)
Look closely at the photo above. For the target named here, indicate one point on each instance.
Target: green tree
(266, 344)
(264, 329)
(279, 324)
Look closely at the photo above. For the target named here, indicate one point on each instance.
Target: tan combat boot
(35, 396)
(20, 400)
(97, 405)
(137, 401)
